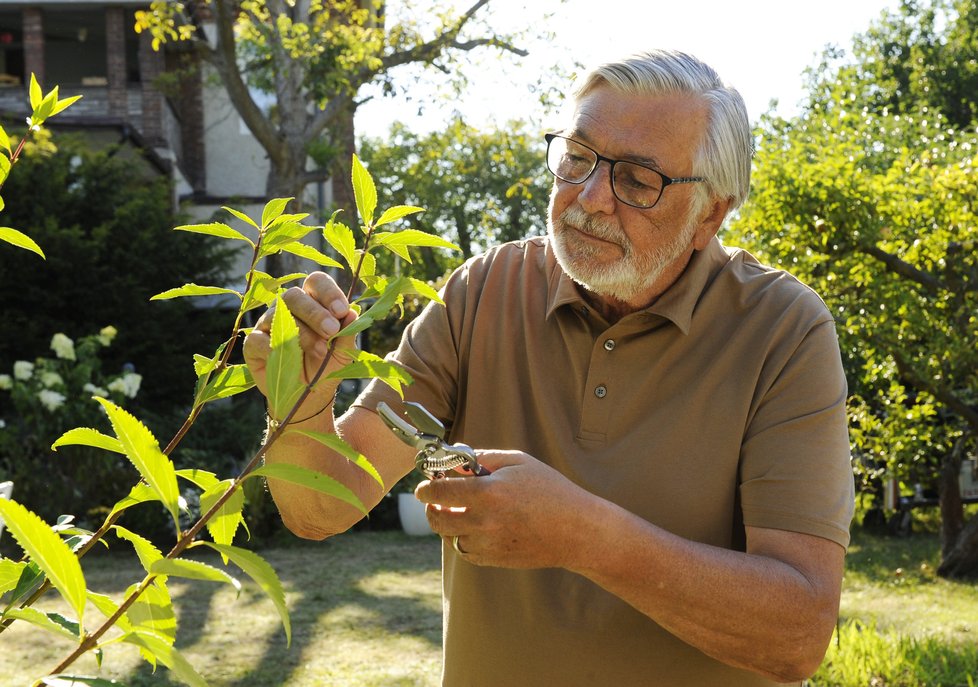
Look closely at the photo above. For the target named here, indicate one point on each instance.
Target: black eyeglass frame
(666, 181)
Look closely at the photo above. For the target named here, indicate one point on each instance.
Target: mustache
(600, 227)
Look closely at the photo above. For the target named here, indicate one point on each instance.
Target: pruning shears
(426, 433)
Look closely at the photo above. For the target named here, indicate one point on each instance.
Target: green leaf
(397, 212)
(152, 612)
(425, 290)
(140, 493)
(273, 208)
(20, 239)
(144, 452)
(344, 449)
(364, 191)
(224, 524)
(218, 229)
(35, 92)
(310, 253)
(168, 656)
(284, 371)
(412, 237)
(242, 216)
(63, 680)
(30, 581)
(64, 103)
(194, 570)
(233, 379)
(47, 549)
(5, 142)
(10, 572)
(371, 366)
(44, 110)
(340, 237)
(147, 553)
(86, 436)
(317, 481)
(193, 290)
(54, 623)
(202, 478)
(263, 574)
(281, 235)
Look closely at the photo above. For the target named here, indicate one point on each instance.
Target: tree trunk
(961, 562)
(959, 542)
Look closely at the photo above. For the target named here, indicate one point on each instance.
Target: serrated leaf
(279, 236)
(317, 481)
(144, 452)
(194, 570)
(194, 290)
(10, 572)
(242, 216)
(310, 253)
(86, 436)
(63, 680)
(218, 229)
(54, 623)
(412, 237)
(107, 607)
(284, 371)
(397, 212)
(231, 380)
(264, 576)
(145, 551)
(224, 524)
(168, 656)
(272, 210)
(201, 478)
(5, 142)
(340, 237)
(44, 110)
(30, 581)
(370, 366)
(35, 92)
(64, 103)
(20, 239)
(153, 611)
(344, 449)
(48, 551)
(140, 493)
(364, 191)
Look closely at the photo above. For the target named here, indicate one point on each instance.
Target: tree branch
(945, 395)
(927, 280)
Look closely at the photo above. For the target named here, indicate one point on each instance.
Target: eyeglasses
(633, 184)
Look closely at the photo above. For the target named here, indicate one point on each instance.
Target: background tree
(876, 209)
(314, 56)
(478, 188)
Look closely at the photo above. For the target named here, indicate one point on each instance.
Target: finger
(493, 460)
(452, 492)
(307, 310)
(327, 292)
(257, 347)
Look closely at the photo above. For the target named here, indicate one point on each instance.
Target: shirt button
(601, 391)
(609, 345)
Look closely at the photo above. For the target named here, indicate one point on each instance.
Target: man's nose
(596, 194)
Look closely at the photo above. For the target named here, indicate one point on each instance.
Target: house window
(11, 49)
(75, 48)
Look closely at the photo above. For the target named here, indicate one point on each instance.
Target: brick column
(34, 45)
(150, 67)
(192, 120)
(115, 55)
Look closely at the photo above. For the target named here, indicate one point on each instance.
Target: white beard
(624, 279)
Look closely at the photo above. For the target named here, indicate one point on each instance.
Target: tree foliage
(873, 202)
(478, 188)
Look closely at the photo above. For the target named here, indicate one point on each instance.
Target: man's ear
(710, 223)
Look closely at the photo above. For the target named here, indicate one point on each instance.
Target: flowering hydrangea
(6, 383)
(50, 379)
(23, 370)
(127, 384)
(95, 390)
(51, 400)
(106, 334)
(63, 347)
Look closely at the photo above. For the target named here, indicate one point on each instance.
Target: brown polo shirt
(721, 405)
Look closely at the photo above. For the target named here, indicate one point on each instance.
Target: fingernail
(339, 307)
(329, 325)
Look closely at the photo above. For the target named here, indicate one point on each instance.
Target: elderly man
(663, 417)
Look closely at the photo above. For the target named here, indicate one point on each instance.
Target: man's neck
(613, 309)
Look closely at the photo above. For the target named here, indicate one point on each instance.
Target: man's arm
(307, 513)
(770, 610)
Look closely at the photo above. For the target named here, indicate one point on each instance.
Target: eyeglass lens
(631, 183)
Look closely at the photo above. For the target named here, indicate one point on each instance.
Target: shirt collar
(676, 304)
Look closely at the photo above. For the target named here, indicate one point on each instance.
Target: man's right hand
(321, 310)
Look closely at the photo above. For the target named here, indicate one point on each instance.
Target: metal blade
(423, 420)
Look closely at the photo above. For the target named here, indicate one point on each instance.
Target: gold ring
(456, 546)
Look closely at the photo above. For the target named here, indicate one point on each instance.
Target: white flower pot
(412, 516)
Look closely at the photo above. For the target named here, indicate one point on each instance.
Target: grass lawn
(366, 611)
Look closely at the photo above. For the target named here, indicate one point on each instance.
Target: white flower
(51, 400)
(23, 370)
(2, 424)
(6, 382)
(127, 384)
(63, 347)
(49, 379)
(106, 334)
(95, 390)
